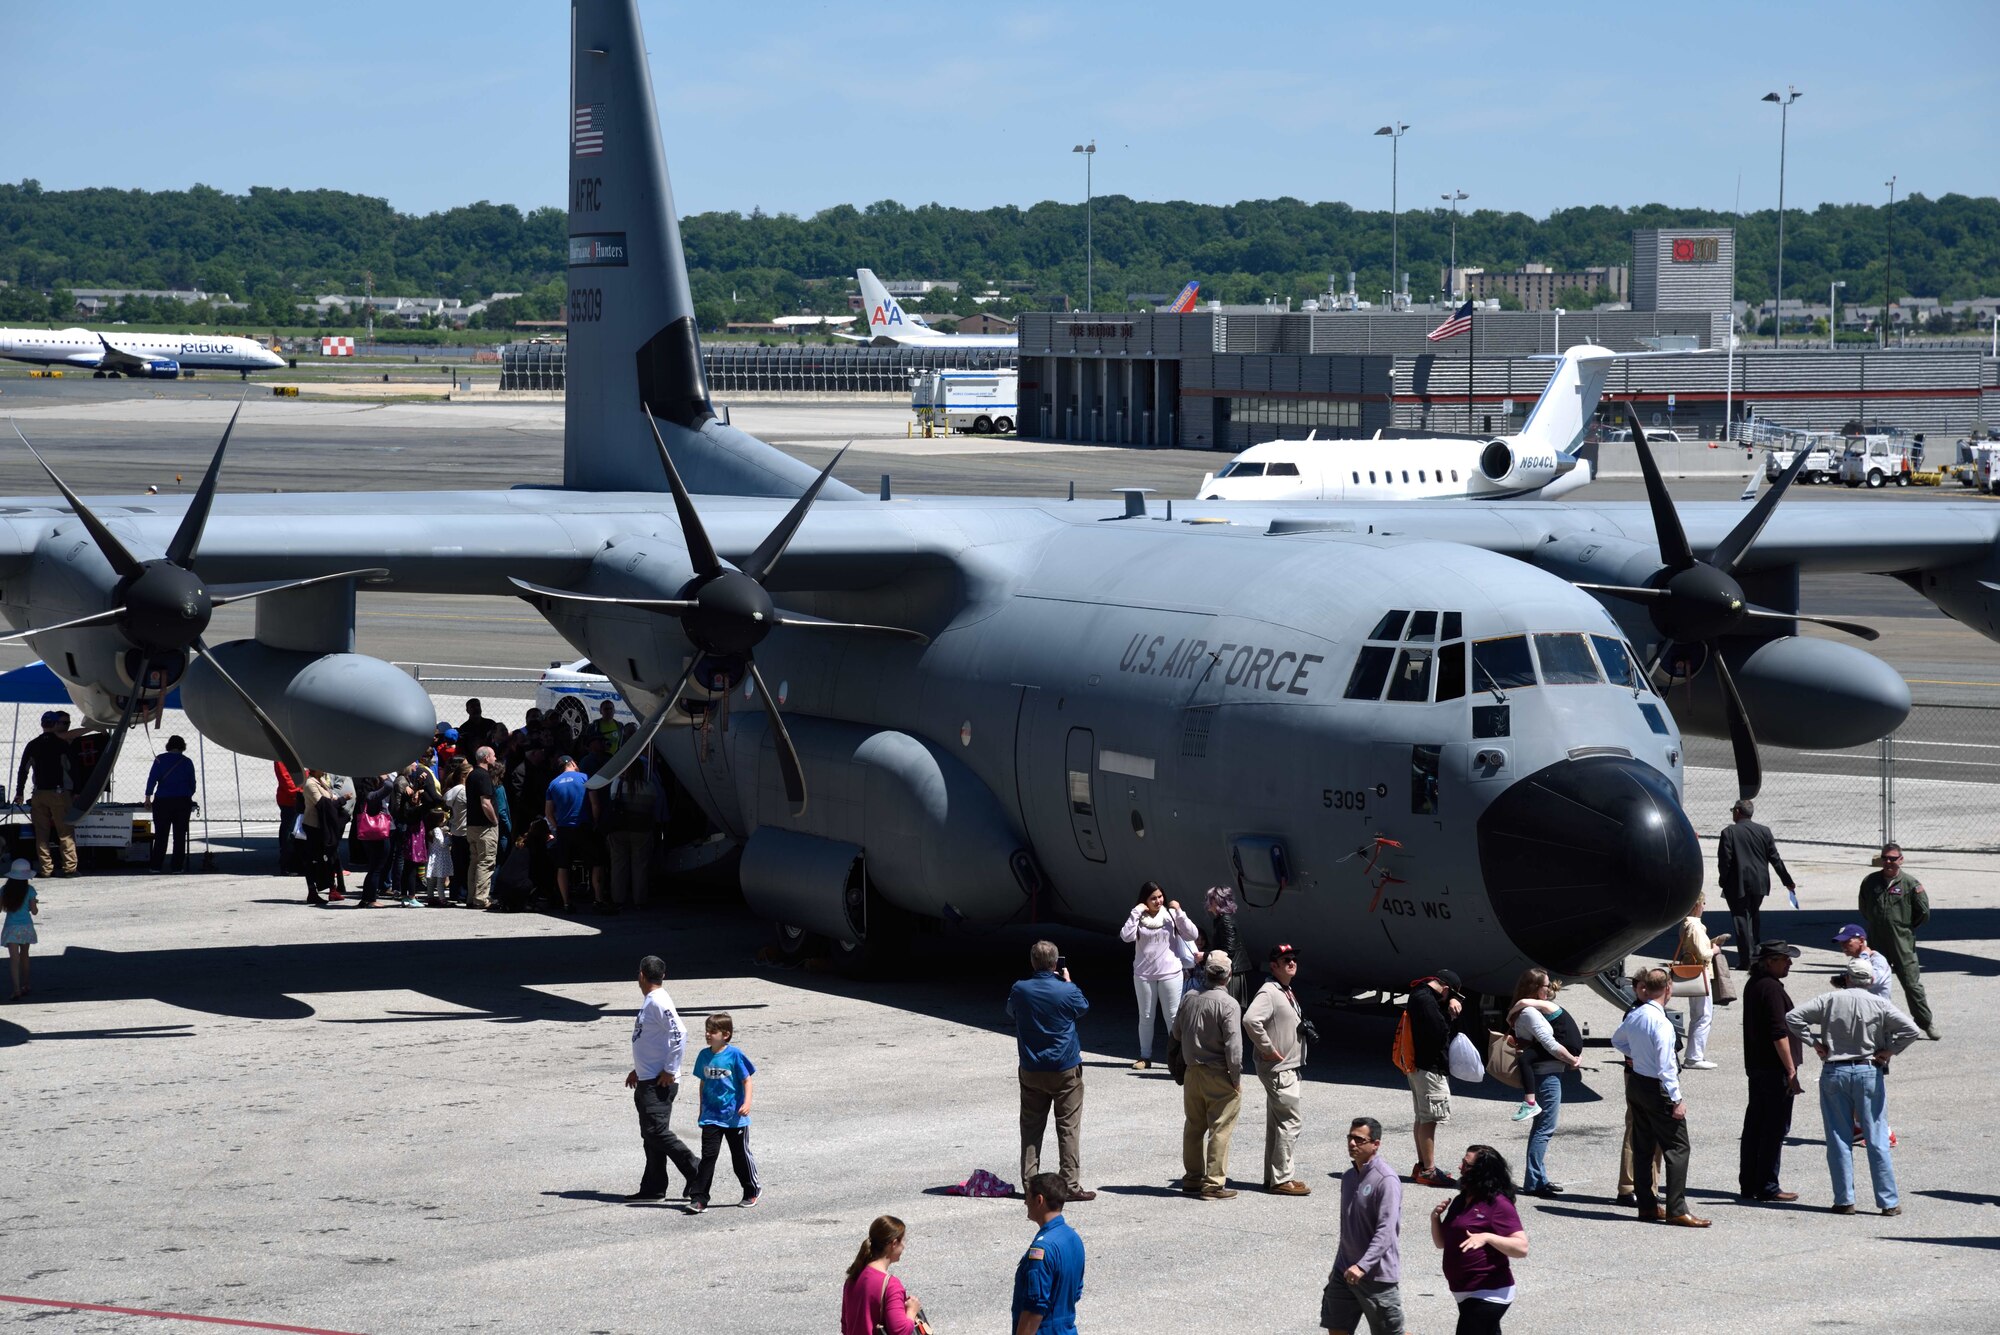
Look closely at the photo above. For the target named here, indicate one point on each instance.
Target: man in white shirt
(658, 1040)
(1853, 942)
(1653, 1092)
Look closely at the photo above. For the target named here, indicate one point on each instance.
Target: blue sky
(793, 106)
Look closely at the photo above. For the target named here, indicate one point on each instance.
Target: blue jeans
(1851, 1095)
(1549, 1095)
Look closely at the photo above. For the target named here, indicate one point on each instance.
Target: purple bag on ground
(981, 1183)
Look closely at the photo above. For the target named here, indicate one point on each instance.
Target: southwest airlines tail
(886, 317)
(1184, 303)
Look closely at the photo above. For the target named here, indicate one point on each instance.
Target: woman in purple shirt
(1480, 1233)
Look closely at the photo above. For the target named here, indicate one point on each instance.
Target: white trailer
(976, 401)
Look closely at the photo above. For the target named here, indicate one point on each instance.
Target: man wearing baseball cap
(1276, 1025)
(50, 762)
(1853, 942)
(1858, 1032)
(1771, 1063)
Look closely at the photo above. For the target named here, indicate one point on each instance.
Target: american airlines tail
(886, 315)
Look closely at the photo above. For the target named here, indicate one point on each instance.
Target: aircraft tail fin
(886, 316)
(1184, 303)
(633, 347)
(1558, 419)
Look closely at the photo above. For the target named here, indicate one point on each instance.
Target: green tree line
(275, 248)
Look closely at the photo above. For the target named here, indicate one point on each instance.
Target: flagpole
(1471, 345)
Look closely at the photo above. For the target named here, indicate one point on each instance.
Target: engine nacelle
(1814, 695)
(163, 368)
(1515, 465)
(937, 842)
(346, 713)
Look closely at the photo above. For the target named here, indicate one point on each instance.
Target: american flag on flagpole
(587, 132)
(1458, 324)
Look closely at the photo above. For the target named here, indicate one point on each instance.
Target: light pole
(1784, 116)
(1559, 332)
(1889, 266)
(1395, 133)
(1451, 278)
(1831, 288)
(1089, 152)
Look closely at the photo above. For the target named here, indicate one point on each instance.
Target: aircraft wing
(116, 358)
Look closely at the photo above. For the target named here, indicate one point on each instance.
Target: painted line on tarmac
(1933, 681)
(169, 1316)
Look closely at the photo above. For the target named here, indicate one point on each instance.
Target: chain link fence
(1931, 786)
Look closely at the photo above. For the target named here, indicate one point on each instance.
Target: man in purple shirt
(1367, 1268)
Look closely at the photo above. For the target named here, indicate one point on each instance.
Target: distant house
(982, 323)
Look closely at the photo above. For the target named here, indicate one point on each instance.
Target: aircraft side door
(1080, 787)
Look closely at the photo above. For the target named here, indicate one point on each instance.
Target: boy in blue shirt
(725, 1075)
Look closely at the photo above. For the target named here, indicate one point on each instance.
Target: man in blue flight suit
(1049, 1281)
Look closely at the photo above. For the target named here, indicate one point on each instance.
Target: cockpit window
(1423, 626)
(1617, 660)
(1371, 669)
(1502, 664)
(1411, 681)
(1390, 627)
(1243, 468)
(1282, 470)
(1451, 671)
(1566, 661)
(1454, 626)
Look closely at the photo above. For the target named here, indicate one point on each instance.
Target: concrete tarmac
(227, 1104)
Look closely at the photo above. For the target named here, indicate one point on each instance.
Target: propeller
(1692, 601)
(161, 606)
(725, 612)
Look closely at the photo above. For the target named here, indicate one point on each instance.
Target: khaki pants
(1063, 1091)
(1210, 1100)
(51, 817)
(484, 843)
(631, 865)
(1625, 1183)
(1281, 1123)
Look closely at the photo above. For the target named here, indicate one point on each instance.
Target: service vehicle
(1878, 460)
(569, 695)
(1823, 455)
(976, 401)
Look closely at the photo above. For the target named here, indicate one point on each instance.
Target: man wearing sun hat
(1855, 1034)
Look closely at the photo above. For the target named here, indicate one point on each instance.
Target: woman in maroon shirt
(1480, 1233)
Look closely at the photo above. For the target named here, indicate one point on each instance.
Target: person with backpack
(1551, 1044)
(1423, 1043)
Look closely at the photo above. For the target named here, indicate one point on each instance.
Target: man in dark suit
(1745, 854)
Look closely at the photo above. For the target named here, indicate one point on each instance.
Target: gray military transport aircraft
(1411, 734)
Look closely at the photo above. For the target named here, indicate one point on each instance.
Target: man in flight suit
(1894, 905)
(1048, 1282)
(1745, 853)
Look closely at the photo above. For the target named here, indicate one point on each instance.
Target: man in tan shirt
(1208, 1030)
(1272, 1023)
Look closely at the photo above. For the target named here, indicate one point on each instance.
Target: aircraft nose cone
(1587, 859)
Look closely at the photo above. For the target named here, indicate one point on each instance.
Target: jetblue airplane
(890, 324)
(142, 356)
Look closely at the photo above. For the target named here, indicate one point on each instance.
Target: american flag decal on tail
(587, 131)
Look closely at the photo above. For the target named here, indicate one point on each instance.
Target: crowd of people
(486, 818)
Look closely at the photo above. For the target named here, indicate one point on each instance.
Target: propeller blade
(637, 744)
(1637, 595)
(107, 542)
(1728, 553)
(107, 759)
(672, 605)
(1749, 767)
(94, 619)
(247, 594)
(788, 756)
(286, 752)
(700, 550)
(1765, 614)
(188, 536)
(761, 561)
(1675, 554)
(818, 623)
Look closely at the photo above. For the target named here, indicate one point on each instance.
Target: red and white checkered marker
(336, 347)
